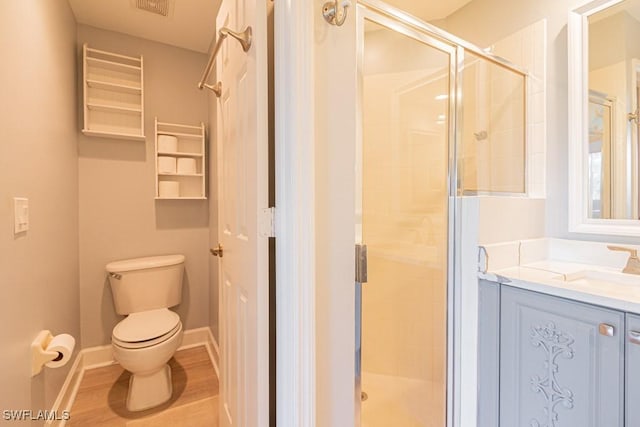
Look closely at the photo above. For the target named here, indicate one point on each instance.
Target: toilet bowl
(143, 343)
(148, 337)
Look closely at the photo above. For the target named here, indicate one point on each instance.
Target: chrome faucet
(633, 263)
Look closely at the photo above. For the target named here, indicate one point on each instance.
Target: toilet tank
(149, 283)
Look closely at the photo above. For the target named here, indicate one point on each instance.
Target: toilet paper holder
(39, 353)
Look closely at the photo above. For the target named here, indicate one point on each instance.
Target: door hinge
(267, 222)
(361, 263)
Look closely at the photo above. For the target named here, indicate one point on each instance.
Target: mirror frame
(578, 82)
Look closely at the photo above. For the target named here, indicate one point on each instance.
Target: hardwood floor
(103, 391)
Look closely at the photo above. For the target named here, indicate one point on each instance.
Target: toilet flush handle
(116, 276)
(217, 251)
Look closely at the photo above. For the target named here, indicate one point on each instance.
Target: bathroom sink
(602, 277)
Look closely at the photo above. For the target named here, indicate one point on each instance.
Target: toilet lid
(146, 325)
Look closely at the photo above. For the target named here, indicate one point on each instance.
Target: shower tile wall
(493, 127)
(404, 199)
(493, 103)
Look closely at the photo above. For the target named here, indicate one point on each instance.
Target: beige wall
(38, 160)
(613, 39)
(607, 40)
(119, 217)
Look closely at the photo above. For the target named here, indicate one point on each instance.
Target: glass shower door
(402, 215)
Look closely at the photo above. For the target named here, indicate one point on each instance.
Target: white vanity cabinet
(550, 361)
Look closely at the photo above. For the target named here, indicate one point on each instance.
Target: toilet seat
(146, 328)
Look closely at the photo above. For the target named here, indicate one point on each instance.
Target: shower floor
(399, 401)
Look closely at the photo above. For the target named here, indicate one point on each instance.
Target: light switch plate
(20, 214)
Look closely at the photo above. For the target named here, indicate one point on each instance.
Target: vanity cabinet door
(632, 360)
(561, 362)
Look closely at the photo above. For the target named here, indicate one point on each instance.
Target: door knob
(217, 251)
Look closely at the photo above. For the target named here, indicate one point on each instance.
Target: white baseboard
(68, 392)
(214, 351)
(99, 356)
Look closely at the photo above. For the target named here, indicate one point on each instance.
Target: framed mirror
(604, 119)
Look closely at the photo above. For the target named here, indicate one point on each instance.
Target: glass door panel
(403, 157)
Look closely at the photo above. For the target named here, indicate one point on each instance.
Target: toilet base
(147, 391)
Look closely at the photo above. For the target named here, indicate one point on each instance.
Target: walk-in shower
(438, 115)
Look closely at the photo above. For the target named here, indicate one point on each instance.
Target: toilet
(143, 342)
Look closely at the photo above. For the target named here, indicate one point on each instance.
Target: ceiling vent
(159, 7)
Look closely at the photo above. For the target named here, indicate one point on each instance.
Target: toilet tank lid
(144, 263)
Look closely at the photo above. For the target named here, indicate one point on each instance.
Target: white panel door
(241, 143)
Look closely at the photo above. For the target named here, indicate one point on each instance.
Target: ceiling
(189, 25)
(429, 10)
(632, 7)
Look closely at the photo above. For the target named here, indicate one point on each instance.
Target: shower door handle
(361, 277)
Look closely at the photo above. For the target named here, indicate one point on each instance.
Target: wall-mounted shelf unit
(113, 95)
(180, 161)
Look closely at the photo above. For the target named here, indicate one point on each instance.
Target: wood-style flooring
(101, 398)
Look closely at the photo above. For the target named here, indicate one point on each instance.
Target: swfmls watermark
(41, 415)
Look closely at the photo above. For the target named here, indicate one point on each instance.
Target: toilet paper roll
(186, 165)
(64, 345)
(166, 164)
